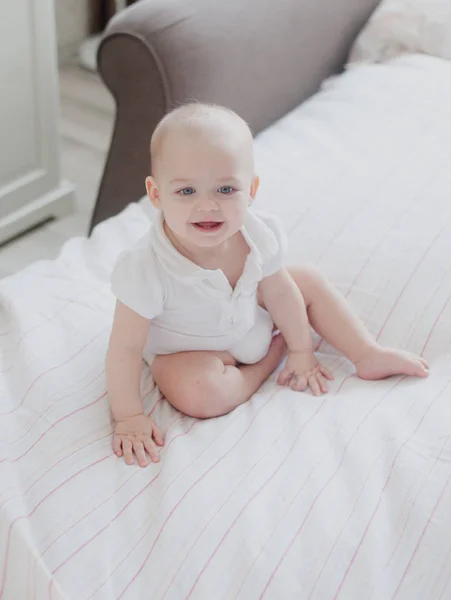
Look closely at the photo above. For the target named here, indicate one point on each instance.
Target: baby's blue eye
(188, 191)
(226, 189)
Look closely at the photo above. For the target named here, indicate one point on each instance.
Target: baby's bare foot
(380, 363)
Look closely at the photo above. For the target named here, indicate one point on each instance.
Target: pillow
(404, 27)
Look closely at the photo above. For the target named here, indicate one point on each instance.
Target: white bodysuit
(192, 308)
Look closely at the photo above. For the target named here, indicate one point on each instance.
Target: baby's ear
(152, 192)
(254, 187)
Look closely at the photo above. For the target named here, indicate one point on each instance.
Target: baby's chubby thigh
(196, 382)
(192, 381)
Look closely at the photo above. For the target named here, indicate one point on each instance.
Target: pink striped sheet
(371, 174)
(342, 582)
(320, 492)
(39, 377)
(409, 514)
(221, 458)
(428, 249)
(353, 510)
(61, 565)
(245, 506)
(423, 533)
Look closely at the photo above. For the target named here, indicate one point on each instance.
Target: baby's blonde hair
(197, 117)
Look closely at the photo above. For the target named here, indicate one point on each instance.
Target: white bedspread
(346, 496)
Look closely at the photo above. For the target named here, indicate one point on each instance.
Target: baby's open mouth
(208, 225)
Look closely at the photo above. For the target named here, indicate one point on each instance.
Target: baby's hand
(136, 435)
(302, 370)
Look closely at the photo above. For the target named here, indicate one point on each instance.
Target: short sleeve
(136, 282)
(278, 248)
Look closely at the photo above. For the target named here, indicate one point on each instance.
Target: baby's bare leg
(208, 384)
(332, 317)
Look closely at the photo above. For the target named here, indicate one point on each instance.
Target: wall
(72, 26)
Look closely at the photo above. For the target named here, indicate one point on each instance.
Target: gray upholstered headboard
(259, 57)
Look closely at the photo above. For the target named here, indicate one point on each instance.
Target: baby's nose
(207, 203)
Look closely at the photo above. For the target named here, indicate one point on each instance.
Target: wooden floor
(86, 119)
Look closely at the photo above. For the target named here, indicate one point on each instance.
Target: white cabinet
(31, 189)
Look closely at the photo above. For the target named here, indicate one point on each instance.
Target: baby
(200, 297)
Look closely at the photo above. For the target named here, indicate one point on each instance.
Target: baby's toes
(424, 362)
(423, 368)
(417, 367)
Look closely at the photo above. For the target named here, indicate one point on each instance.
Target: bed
(346, 496)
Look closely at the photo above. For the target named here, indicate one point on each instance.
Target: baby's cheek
(176, 216)
(237, 210)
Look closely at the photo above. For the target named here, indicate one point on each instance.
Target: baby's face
(204, 185)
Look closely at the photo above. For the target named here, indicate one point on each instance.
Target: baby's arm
(134, 430)
(285, 303)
